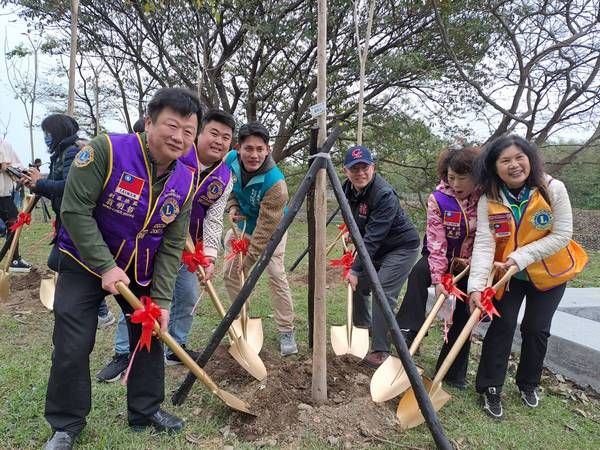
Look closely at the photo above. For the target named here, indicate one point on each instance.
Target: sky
(11, 28)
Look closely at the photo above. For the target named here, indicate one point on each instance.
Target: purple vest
(130, 229)
(455, 222)
(208, 191)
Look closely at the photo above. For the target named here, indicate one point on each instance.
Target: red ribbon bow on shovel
(146, 318)
(343, 227)
(448, 283)
(238, 247)
(487, 297)
(345, 262)
(196, 259)
(23, 219)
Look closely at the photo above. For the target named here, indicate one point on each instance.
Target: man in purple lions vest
(212, 185)
(125, 214)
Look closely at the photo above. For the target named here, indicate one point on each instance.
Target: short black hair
(253, 129)
(139, 126)
(180, 100)
(60, 127)
(218, 115)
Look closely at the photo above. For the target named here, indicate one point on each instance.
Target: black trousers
(9, 213)
(68, 399)
(535, 330)
(411, 315)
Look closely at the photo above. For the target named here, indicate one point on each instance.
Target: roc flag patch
(130, 186)
(502, 229)
(452, 218)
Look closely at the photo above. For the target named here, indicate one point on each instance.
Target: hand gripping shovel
(409, 415)
(250, 329)
(229, 399)
(390, 379)
(239, 349)
(29, 204)
(47, 287)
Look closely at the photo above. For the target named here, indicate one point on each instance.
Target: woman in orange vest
(524, 219)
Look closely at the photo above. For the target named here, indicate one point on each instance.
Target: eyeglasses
(358, 168)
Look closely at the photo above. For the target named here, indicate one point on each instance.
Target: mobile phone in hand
(15, 172)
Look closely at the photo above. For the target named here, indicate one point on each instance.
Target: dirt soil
(24, 293)
(349, 419)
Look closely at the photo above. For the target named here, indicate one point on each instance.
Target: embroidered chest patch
(363, 209)
(130, 186)
(214, 190)
(84, 156)
(169, 210)
(500, 224)
(452, 218)
(542, 219)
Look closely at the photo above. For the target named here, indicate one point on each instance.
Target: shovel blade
(358, 345)
(254, 333)
(390, 380)
(47, 286)
(409, 414)
(235, 403)
(246, 357)
(4, 285)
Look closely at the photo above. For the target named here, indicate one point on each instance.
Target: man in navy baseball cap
(358, 154)
(391, 241)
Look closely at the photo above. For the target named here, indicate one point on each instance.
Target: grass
(563, 421)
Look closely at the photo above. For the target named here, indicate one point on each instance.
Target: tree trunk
(74, 14)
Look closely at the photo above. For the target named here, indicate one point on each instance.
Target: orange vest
(536, 222)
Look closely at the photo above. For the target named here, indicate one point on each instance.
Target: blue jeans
(185, 295)
(392, 270)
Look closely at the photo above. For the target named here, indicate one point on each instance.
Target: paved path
(574, 344)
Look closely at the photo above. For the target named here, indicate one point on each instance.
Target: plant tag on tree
(317, 110)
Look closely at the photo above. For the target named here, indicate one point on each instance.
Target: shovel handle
(30, 202)
(332, 245)
(183, 356)
(432, 314)
(466, 332)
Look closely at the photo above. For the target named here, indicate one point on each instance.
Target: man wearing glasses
(391, 240)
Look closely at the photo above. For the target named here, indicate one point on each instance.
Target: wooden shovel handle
(183, 356)
(466, 332)
(432, 314)
(29, 203)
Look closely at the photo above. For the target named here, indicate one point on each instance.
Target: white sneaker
(106, 321)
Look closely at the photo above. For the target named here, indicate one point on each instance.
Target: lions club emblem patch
(169, 210)
(214, 190)
(542, 219)
(84, 156)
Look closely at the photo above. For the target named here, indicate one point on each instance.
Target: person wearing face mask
(391, 240)
(256, 205)
(524, 219)
(447, 246)
(61, 138)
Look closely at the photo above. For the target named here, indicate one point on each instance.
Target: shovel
(240, 350)
(229, 399)
(47, 287)
(250, 329)
(390, 379)
(348, 339)
(29, 204)
(409, 415)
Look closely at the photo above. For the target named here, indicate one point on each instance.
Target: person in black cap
(391, 240)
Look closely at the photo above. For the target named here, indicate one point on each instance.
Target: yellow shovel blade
(248, 359)
(409, 414)
(254, 332)
(4, 285)
(389, 380)
(358, 345)
(47, 286)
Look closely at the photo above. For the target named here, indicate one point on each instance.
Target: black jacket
(53, 186)
(382, 222)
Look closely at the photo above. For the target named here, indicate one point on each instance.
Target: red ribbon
(23, 219)
(238, 247)
(345, 262)
(146, 317)
(448, 283)
(196, 259)
(343, 227)
(487, 301)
